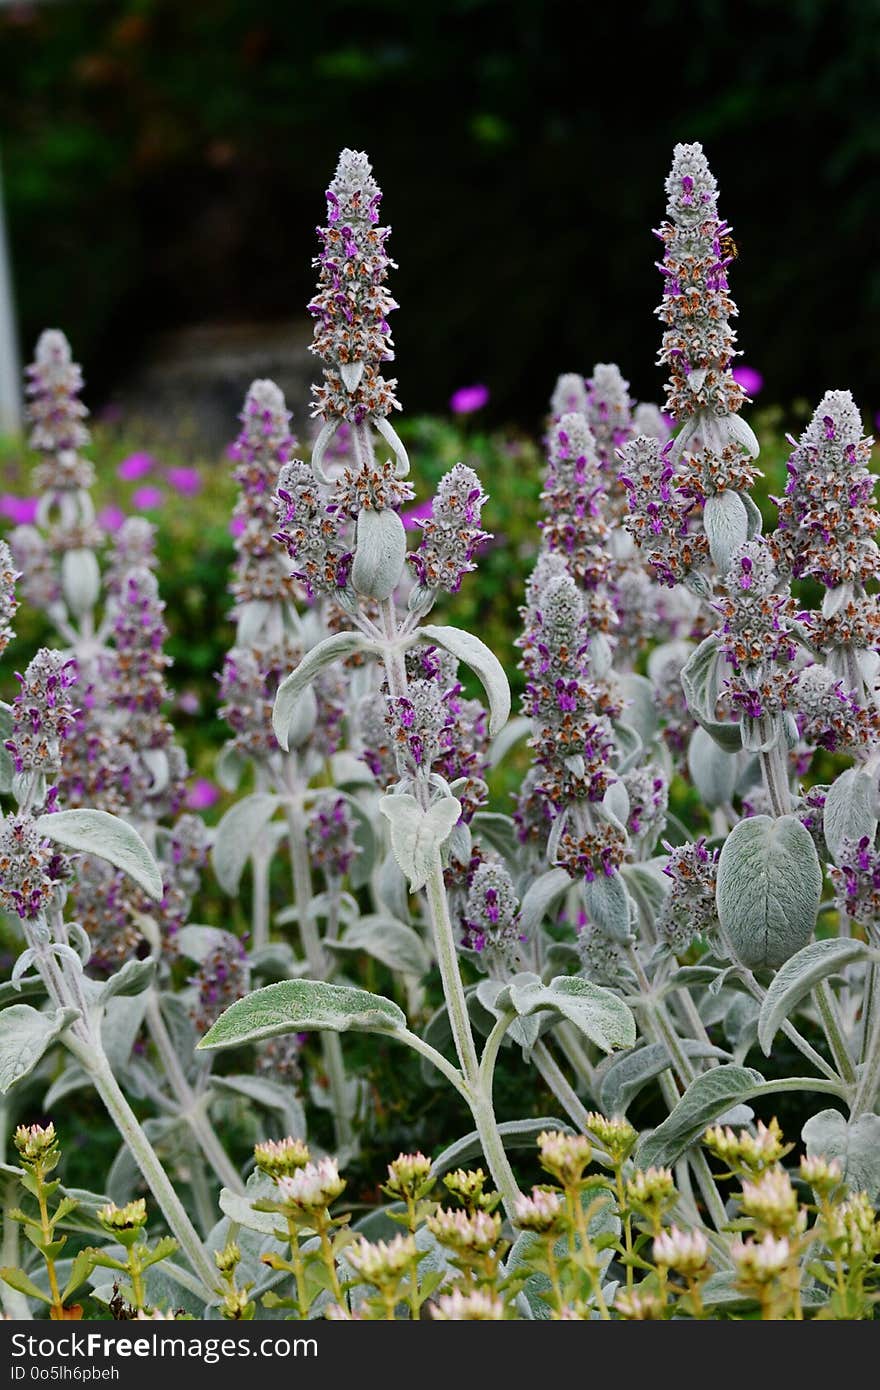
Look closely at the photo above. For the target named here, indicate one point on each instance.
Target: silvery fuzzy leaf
(707, 1097)
(240, 1210)
(23, 962)
(250, 619)
(80, 581)
(392, 888)
(485, 1011)
(599, 655)
(701, 682)
(616, 800)
(726, 524)
(237, 835)
(438, 1033)
(380, 553)
(639, 707)
(713, 772)
(109, 838)
(24, 1036)
(302, 1006)
(510, 735)
(626, 1075)
(276, 959)
(390, 435)
(794, 980)
(544, 895)
(271, 1095)
(364, 836)
(120, 1026)
(25, 989)
(155, 760)
(134, 977)
(768, 889)
(676, 653)
(81, 941)
(459, 845)
(741, 432)
(393, 943)
(850, 810)
(517, 1134)
(7, 772)
(763, 734)
(856, 1145)
(630, 749)
(71, 1079)
(740, 1024)
(755, 519)
(348, 770)
(334, 648)
(484, 664)
(607, 904)
(500, 832)
(598, 1013)
(302, 720)
(648, 885)
(351, 373)
(417, 836)
(229, 767)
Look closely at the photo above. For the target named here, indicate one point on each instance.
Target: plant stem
(331, 1048)
(833, 1031)
(144, 1154)
(191, 1107)
(566, 1095)
(775, 774)
(869, 1084)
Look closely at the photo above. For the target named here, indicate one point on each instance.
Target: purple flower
(21, 510)
(237, 526)
(186, 481)
(111, 518)
(147, 499)
(749, 379)
(189, 702)
(413, 515)
(202, 794)
(136, 466)
(467, 399)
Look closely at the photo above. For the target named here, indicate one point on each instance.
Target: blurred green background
(164, 164)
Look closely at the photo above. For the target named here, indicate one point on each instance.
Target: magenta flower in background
(147, 499)
(189, 702)
(186, 481)
(111, 517)
(749, 379)
(202, 794)
(421, 512)
(136, 466)
(20, 510)
(467, 399)
(237, 525)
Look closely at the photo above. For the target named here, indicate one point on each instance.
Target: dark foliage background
(164, 164)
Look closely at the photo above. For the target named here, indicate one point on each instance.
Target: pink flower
(237, 525)
(111, 518)
(186, 481)
(136, 466)
(202, 794)
(467, 399)
(749, 379)
(420, 512)
(21, 510)
(147, 499)
(189, 702)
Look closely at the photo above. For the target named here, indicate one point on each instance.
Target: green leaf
(626, 1076)
(17, 1279)
(417, 836)
(700, 681)
(237, 835)
(600, 1015)
(517, 1134)
(302, 1006)
(290, 691)
(109, 838)
(798, 976)
(25, 1035)
(768, 889)
(82, 1266)
(269, 1094)
(850, 810)
(387, 940)
(475, 654)
(706, 1098)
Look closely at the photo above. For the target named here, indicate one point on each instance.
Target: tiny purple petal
(749, 379)
(136, 466)
(468, 399)
(202, 794)
(111, 517)
(147, 499)
(186, 481)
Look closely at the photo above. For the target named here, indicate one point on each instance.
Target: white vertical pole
(10, 368)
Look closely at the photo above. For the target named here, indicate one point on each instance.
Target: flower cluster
(42, 715)
(829, 717)
(331, 836)
(856, 882)
(57, 414)
(608, 412)
(569, 396)
(352, 305)
(451, 535)
(31, 869)
(8, 600)
(827, 517)
(248, 682)
(756, 635)
(491, 916)
(689, 909)
(574, 524)
(134, 548)
(660, 520)
(263, 446)
(313, 531)
(222, 977)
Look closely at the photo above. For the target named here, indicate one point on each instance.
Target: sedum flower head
(639, 1306)
(759, 1262)
(281, 1157)
(54, 382)
(822, 1174)
(827, 516)
(228, 1259)
(616, 1135)
(451, 535)
(477, 1232)
(131, 1217)
(382, 1262)
(473, 1305)
(651, 1189)
(564, 1156)
(467, 1185)
(685, 1252)
(542, 1212)
(746, 1152)
(408, 1174)
(36, 1144)
(312, 1187)
(352, 305)
(771, 1201)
